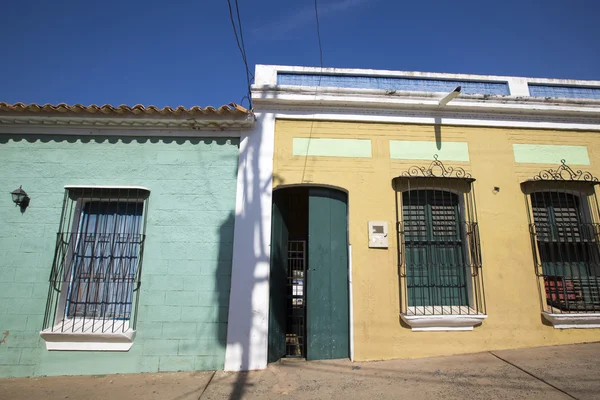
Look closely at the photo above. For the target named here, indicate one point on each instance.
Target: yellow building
(413, 215)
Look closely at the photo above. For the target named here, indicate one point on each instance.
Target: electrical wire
(239, 39)
(312, 122)
(318, 34)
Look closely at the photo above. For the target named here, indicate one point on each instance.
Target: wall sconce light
(496, 190)
(20, 198)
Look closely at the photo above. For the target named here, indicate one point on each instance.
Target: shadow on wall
(251, 248)
(437, 126)
(223, 276)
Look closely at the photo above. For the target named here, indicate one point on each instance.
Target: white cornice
(268, 96)
(24, 124)
(268, 73)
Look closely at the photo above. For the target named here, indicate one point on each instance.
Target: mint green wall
(421, 150)
(550, 154)
(358, 148)
(182, 320)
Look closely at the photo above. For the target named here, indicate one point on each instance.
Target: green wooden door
(327, 303)
(278, 277)
(435, 266)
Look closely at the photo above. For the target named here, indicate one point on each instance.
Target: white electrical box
(378, 234)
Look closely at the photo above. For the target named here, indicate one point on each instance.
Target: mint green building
(116, 254)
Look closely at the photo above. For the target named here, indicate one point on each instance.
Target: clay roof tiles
(231, 109)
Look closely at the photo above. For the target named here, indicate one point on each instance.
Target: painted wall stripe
(420, 150)
(550, 154)
(360, 148)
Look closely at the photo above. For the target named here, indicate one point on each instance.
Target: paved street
(560, 372)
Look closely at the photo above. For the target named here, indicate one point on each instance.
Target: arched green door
(278, 276)
(327, 302)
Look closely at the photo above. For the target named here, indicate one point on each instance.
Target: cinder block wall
(184, 297)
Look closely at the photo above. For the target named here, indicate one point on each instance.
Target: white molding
(350, 301)
(120, 131)
(381, 99)
(248, 321)
(106, 187)
(94, 336)
(570, 321)
(518, 86)
(431, 118)
(458, 322)
(267, 74)
(88, 346)
(189, 123)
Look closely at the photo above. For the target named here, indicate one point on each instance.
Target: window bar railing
(451, 296)
(439, 257)
(96, 271)
(563, 217)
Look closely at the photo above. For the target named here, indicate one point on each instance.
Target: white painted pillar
(248, 322)
(518, 86)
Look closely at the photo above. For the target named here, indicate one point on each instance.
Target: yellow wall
(513, 306)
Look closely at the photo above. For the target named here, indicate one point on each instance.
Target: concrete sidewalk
(559, 372)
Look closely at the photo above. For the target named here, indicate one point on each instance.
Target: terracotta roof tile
(231, 109)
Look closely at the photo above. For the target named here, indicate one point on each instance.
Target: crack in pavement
(206, 387)
(533, 375)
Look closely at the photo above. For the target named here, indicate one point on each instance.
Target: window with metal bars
(565, 242)
(95, 277)
(438, 242)
(433, 245)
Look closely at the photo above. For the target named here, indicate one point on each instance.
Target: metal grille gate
(296, 299)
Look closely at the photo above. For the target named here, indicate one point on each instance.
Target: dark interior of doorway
(295, 333)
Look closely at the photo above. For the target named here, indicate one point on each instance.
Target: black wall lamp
(20, 198)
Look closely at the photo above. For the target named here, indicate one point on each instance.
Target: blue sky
(184, 53)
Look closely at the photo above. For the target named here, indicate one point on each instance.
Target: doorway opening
(309, 305)
(295, 332)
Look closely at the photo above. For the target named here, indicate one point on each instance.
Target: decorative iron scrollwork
(565, 173)
(436, 170)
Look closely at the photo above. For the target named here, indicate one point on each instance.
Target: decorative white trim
(216, 132)
(88, 346)
(350, 300)
(570, 321)
(116, 122)
(106, 187)
(267, 75)
(248, 322)
(373, 105)
(94, 336)
(434, 118)
(427, 321)
(376, 98)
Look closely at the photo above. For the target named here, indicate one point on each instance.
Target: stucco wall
(510, 283)
(182, 320)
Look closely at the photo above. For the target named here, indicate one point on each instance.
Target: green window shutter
(557, 218)
(436, 270)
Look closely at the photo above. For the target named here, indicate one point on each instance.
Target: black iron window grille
(296, 299)
(95, 276)
(439, 257)
(565, 237)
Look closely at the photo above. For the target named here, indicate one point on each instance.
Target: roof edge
(228, 110)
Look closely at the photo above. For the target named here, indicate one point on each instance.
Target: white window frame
(95, 334)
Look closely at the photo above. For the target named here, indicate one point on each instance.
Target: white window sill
(91, 335)
(573, 321)
(442, 318)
